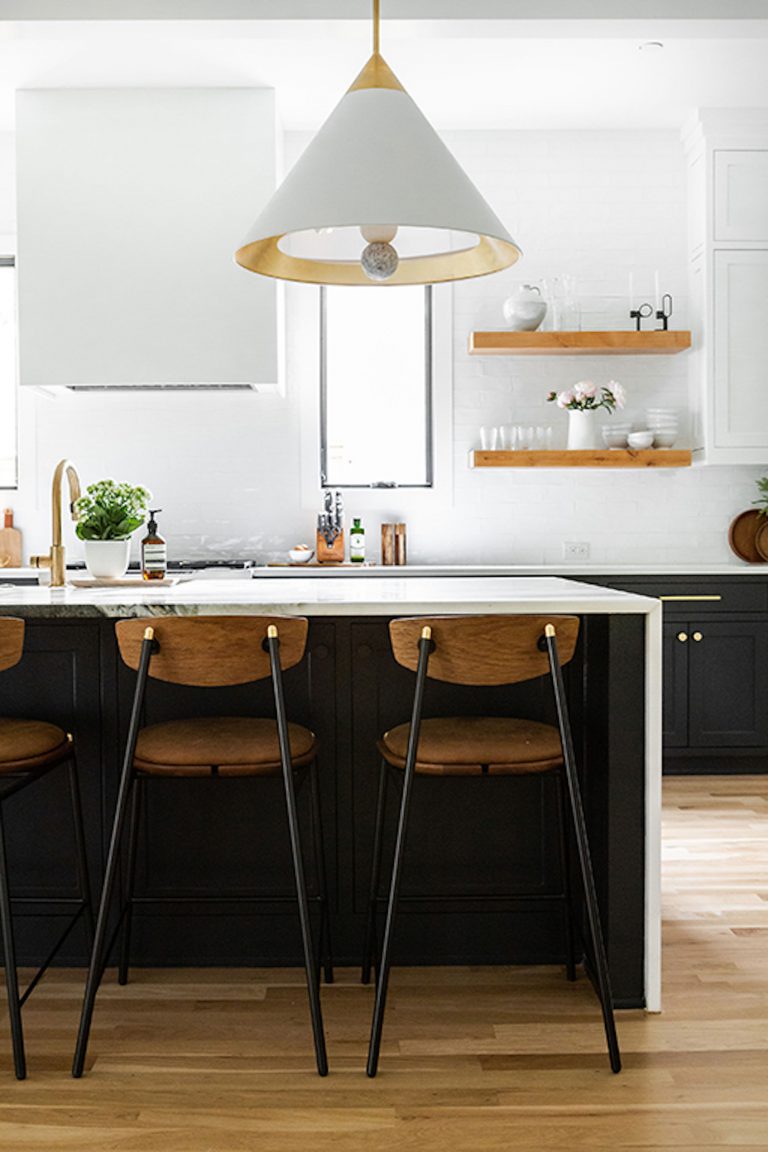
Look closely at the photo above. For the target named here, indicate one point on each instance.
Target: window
(376, 387)
(7, 372)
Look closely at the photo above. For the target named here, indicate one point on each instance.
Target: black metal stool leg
(585, 860)
(369, 942)
(9, 960)
(130, 880)
(326, 948)
(82, 860)
(374, 1046)
(565, 859)
(100, 943)
(313, 989)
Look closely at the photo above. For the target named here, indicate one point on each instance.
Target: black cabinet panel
(57, 680)
(675, 681)
(728, 678)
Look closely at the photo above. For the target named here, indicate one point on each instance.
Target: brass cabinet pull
(682, 637)
(698, 636)
(684, 598)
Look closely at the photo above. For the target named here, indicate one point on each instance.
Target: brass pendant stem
(376, 19)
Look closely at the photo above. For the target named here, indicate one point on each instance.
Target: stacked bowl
(664, 424)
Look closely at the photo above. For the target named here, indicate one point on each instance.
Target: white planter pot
(582, 429)
(107, 559)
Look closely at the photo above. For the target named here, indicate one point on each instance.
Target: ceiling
(481, 73)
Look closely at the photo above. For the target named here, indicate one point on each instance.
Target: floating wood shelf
(578, 343)
(597, 458)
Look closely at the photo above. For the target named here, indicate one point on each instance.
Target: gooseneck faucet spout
(55, 560)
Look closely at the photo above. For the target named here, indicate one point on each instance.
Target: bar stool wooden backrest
(211, 651)
(483, 650)
(11, 641)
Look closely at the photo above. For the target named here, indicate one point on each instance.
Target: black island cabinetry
(206, 839)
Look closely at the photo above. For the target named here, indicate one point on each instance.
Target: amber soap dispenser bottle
(154, 550)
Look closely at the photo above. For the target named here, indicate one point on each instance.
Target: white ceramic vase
(107, 559)
(582, 428)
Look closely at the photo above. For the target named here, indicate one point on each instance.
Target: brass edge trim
(690, 598)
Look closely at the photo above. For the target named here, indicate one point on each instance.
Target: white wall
(226, 469)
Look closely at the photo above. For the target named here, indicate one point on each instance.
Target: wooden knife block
(10, 548)
(326, 553)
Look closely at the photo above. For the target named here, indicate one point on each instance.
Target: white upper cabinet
(728, 247)
(741, 195)
(131, 203)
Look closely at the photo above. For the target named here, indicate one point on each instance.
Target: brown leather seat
(474, 745)
(26, 745)
(225, 745)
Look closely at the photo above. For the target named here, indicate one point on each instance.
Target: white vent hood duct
(130, 202)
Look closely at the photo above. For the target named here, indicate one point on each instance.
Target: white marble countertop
(331, 596)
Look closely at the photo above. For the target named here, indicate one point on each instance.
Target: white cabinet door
(741, 195)
(131, 205)
(741, 349)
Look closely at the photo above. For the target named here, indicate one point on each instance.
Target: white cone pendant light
(377, 198)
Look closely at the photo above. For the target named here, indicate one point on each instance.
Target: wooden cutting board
(10, 545)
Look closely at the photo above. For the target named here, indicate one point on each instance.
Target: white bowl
(640, 440)
(300, 555)
(664, 439)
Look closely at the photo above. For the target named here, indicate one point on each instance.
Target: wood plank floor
(488, 1058)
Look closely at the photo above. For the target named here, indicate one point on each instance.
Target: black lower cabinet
(715, 702)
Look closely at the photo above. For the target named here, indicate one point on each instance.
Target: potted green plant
(107, 515)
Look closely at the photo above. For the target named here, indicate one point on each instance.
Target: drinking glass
(489, 438)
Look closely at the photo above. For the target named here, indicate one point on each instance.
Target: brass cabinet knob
(697, 636)
(682, 637)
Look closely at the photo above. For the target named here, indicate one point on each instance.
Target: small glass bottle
(357, 542)
(154, 550)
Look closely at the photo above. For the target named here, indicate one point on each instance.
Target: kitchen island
(349, 690)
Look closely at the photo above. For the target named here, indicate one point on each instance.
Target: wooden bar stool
(483, 650)
(30, 749)
(212, 651)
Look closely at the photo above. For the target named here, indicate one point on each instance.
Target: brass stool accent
(483, 650)
(29, 749)
(212, 651)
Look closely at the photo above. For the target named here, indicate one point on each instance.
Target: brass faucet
(55, 558)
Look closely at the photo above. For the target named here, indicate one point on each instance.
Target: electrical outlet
(577, 551)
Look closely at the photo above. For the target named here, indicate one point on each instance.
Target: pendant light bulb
(379, 261)
(379, 233)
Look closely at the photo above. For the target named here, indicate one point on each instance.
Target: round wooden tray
(742, 536)
(761, 536)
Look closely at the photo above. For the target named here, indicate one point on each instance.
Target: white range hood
(130, 204)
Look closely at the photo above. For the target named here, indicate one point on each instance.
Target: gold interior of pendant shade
(488, 255)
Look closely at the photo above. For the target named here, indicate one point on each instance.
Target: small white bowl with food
(301, 554)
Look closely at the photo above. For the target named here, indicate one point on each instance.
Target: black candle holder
(640, 314)
(664, 312)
